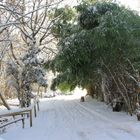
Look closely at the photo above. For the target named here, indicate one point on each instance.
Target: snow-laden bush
(137, 108)
(22, 77)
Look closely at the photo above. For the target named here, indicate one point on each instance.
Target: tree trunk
(4, 102)
(103, 89)
(90, 90)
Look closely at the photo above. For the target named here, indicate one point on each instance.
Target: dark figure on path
(82, 99)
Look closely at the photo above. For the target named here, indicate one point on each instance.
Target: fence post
(35, 110)
(23, 122)
(31, 118)
(38, 105)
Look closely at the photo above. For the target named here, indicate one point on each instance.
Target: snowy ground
(65, 118)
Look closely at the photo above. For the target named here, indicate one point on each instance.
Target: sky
(133, 4)
(70, 2)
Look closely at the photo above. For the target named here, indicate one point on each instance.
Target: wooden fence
(21, 113)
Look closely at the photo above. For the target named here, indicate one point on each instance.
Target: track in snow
(63, 119)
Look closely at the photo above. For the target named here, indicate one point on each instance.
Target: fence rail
(20, 112)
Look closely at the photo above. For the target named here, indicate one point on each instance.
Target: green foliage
(105, 37)
(90, 17)
(62, 26)
(113, 30)
(66, 14)
(64, 87)
(84, 4)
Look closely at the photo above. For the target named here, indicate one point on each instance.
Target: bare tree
(27, 24)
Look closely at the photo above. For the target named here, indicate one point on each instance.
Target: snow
(69, 2)
(66, 118)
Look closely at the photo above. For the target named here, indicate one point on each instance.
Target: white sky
(133, 4)
(70, 2)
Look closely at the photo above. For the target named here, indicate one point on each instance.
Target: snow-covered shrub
(138, 111)
(22, 77)
(137, 108)
(32, 72)
(117, 104)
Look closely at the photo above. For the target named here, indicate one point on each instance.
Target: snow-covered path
(65, 118)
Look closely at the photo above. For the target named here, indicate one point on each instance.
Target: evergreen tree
(99, 50)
